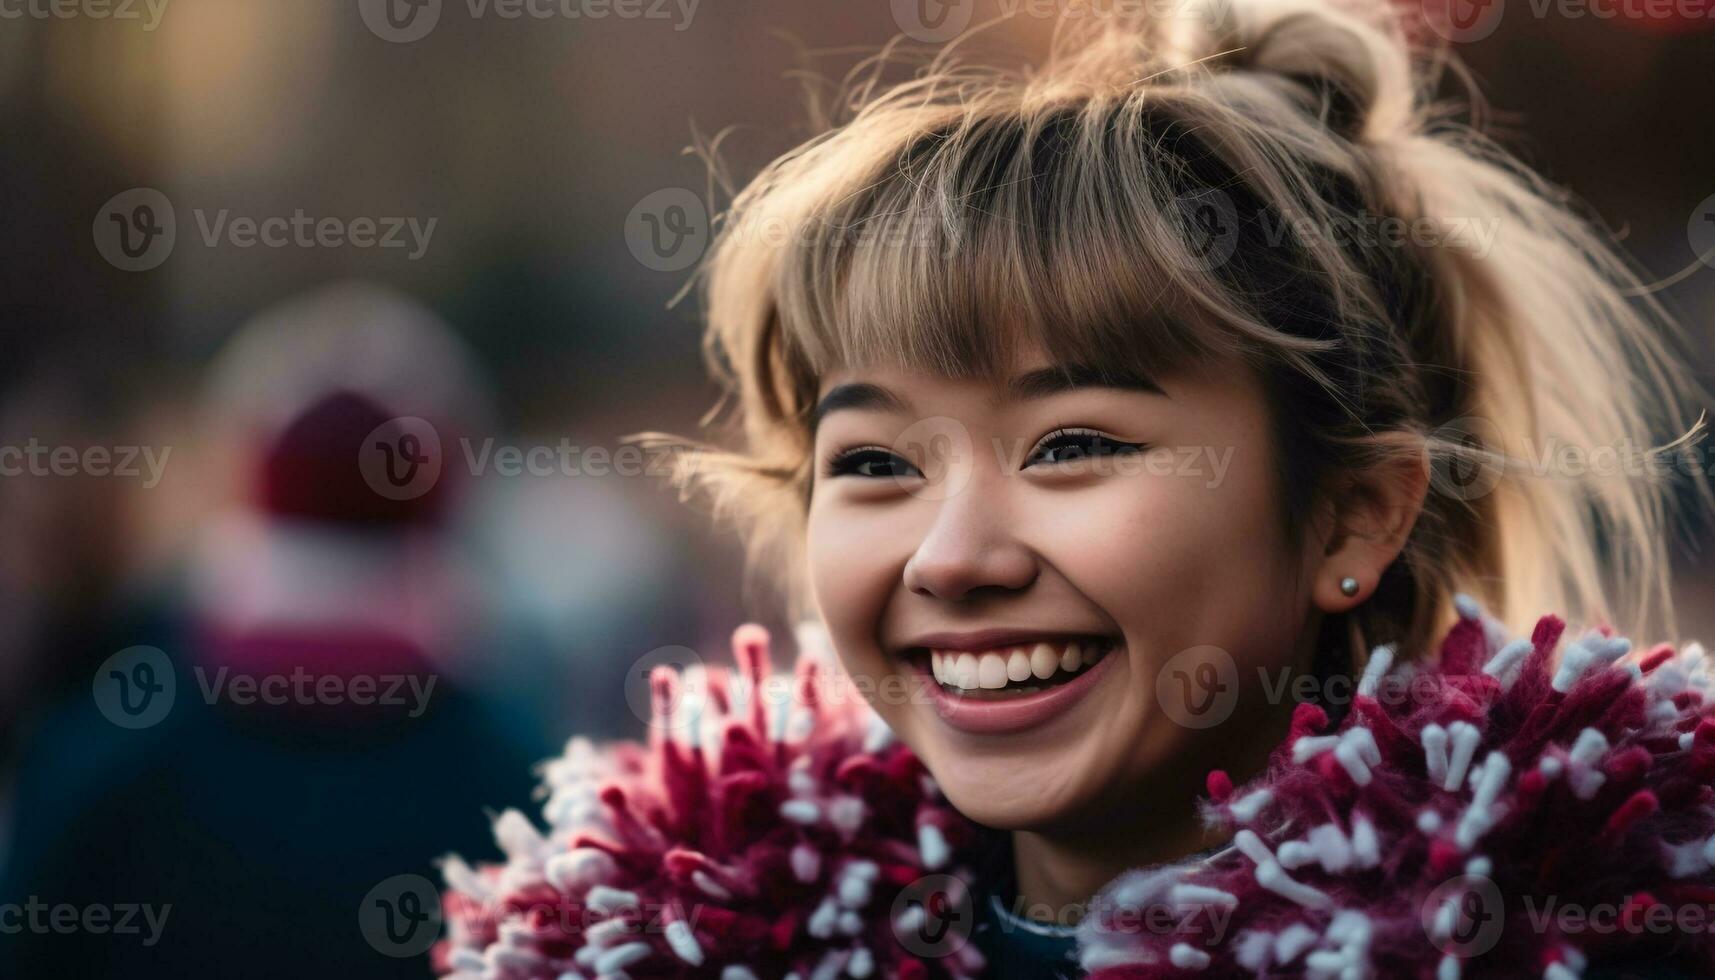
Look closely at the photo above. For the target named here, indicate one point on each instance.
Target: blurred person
(62, 550)
(296, 733)
(573, 568)
(994, 310)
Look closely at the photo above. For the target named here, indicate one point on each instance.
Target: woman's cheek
(1173, 560)
(852, 570)
(1126, 536)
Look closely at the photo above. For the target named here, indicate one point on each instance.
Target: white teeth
(1043, 661)
(1018, 665)
(1069, 660)
(965, 671)
(992, 670)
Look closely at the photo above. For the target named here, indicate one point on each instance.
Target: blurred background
(238, 237)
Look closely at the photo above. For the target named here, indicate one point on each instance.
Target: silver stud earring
(1349, 586)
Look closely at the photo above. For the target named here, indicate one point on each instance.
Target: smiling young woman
(995, 314)
(992, 560)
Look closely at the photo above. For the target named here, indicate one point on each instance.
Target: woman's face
(1055, 591)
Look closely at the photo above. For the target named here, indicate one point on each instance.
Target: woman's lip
(1001, 716)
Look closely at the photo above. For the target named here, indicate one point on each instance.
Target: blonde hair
(940, 220)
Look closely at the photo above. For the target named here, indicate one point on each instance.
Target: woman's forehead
(1027, 355)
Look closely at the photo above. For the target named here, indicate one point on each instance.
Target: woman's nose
(967, 551)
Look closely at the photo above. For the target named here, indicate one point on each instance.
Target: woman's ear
(1372, 516)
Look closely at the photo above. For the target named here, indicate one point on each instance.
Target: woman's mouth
(1013, 671)
(1014, 687)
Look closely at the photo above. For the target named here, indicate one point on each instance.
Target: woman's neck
(1058, 874)
(1059, 871)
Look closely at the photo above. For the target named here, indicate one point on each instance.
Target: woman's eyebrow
(1062, 378)
(855, 395)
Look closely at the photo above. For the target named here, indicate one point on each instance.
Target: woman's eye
(871, 463)
(1068, 445)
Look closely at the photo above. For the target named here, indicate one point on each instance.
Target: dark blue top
(1020, 948)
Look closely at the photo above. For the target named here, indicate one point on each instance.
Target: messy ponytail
(1398, 282)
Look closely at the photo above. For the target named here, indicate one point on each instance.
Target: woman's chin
(1007, 795)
